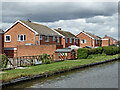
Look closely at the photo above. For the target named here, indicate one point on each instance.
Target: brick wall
(33, 50)
(1, 43)
(105, 42)
(19, 29)
(89, 41)
(42, 42)
(111, 41)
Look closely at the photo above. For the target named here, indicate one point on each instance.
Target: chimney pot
(59, 28)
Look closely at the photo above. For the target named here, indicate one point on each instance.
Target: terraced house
(111, 40)
(28, 33)
(1, 41)
(88, 39)
(68, 38)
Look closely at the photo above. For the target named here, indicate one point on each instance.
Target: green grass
(39, 69)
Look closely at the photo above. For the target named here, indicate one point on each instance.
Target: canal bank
(62, 70)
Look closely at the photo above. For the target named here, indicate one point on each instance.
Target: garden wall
(33, 50)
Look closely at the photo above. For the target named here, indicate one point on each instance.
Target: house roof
(36, 28)
(1, 31)
(63, 50)
(110, 38)
(94, 36)
(90, 35)
(66, 33)
(41, 29)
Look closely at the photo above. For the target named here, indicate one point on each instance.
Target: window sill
(21, 41)
(46, 41)
(7, 41)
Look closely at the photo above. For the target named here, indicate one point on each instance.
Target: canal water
(100, 76)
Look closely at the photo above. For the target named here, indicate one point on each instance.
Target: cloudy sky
(99, 18)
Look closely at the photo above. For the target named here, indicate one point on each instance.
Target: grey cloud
(54, 11)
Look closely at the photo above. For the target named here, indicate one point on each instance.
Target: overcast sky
(99, 18)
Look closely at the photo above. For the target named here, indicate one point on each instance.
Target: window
(70, 40)
(66, 40)
(74, 40)
(40, 37)
(58, 39)
(83, 41)
(77, 41)
(21, 37)
(96, 41)
(7, 38)
(46, 38)
(53, 38)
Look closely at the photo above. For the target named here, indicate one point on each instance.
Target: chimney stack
(29, 20)
(106, 35)
(59, 28)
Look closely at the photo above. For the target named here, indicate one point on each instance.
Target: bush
(95, 51)
(82, 53)
(47, 61)
(111, 50)
(4, 61)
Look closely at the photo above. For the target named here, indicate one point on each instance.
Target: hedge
(111, 50)
(83, 53)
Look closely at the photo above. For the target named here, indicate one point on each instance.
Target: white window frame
(70, 40)
(66, 40)
(47, 39)
(74, 40)
(24, 38)
(40, 37)
(53, 38)
(82, 41)
(96, 41)
(77, 41)
(58, 40)
(9, 40)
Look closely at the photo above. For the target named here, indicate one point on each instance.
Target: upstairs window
(77, 41)
(21, 37)
(70, 40)
(46, 38)
(74, 40)
(58, 39)
(40, 37)
(83, 41)
(53, 38)
(7, 38)
(66, 40)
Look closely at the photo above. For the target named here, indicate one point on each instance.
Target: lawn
(39, 69)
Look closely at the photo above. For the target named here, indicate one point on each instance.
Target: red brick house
(1, 41)
(112, 41)
(28, 33)
(68, 38)
(88, 39)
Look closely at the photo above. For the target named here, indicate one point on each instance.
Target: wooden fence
(31, 60)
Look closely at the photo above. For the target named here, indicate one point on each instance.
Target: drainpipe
(39, 39)
(93, 43)
(34, 38)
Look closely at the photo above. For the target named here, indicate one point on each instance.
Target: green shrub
(111, 50)
(82, 53)
(3, 61)
(95, 51)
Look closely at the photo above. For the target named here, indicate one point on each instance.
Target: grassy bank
(39, 69)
